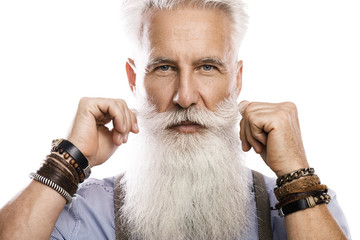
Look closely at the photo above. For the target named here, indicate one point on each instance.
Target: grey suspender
(261, 198)
(262, 207)
(120, 231)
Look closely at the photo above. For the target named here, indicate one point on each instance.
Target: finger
(110, 108)
(242, 106)
(245, 144)
(258, 147)
(135, 126)
(258, 133)
(127, 118)
(117, 137)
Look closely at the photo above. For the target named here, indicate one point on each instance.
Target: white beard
(188, 186)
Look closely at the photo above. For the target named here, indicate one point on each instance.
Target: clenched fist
(273, 130)
(90, 134)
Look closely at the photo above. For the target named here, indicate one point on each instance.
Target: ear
(239, 77)
(131, 75)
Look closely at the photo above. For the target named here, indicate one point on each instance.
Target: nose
(187, 93)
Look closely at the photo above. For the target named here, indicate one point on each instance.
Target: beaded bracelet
(78, 159)
(53, 163)
(64, 159)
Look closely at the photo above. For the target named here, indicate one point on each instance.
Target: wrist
(299, 190)
(291, 168)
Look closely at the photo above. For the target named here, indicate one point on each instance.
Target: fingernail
(120, 139)
(136, 127)
(126, 138)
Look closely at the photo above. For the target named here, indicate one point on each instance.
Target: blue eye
(207, 68)
(164, 68)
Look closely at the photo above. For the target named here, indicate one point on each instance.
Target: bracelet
(294, 175)
(75, 153)
(58, 178)
(53, 185)
(69, 163)
(53, 163)
(297, 196)
(303, 204)
(301, 185)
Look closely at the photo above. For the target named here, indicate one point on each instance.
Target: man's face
(191, 63)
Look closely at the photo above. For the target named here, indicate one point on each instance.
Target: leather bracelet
(53, 163)
(75, 153)
(297, 196)
(316, 188)
(58, 178)
(301, 185)
(67, 161)
(303, 204)
(66, 164)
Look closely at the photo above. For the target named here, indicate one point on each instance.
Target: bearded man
(187, 180)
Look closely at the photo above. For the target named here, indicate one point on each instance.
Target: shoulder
(92, 185)
(91, 212)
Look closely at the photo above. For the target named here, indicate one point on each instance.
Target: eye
(163, 68)
(207, 68)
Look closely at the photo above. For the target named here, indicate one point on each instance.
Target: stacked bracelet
(299, 190)
(63, 169)
(70, 150)
(304, 203)
(53, 185)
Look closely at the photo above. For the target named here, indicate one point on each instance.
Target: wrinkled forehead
(195, 28)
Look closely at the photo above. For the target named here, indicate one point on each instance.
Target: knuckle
(121, 102)
(251, 118)
(283, 115)
(84, 100)
(291, 105)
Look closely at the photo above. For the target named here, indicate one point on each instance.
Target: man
(187, 180)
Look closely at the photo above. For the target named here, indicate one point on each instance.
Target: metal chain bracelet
(294, 175)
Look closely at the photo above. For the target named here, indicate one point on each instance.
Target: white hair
(134, 13)
(188, 186)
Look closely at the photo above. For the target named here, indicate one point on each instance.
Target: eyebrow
(159, 60)
(206, 60)
(211, 60)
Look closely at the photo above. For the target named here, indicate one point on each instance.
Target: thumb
(242, 106)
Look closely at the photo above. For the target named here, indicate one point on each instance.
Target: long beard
(187, 186)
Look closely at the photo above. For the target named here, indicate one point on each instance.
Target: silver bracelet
(53, 185)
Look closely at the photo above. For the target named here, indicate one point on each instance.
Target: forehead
(189, 31)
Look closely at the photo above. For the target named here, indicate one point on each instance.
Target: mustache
(226, 114)
(193, 114)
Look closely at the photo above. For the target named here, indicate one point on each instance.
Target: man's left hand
(273, 130)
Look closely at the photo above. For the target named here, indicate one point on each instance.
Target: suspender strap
(261, 198)
(262, 207)
(120, 230)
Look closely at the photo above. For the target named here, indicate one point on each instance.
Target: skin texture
(192, 65)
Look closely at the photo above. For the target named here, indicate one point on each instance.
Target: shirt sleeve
(90, 215)
(278, 223)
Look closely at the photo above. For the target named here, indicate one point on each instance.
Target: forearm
(32, 214)
(313, 223)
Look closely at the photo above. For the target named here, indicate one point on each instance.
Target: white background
(54, 52)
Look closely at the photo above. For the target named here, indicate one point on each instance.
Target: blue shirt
(91, 213)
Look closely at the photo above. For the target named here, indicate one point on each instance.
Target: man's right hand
(90, 134)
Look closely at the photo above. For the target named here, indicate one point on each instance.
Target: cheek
(216, 92)
(159, 92)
